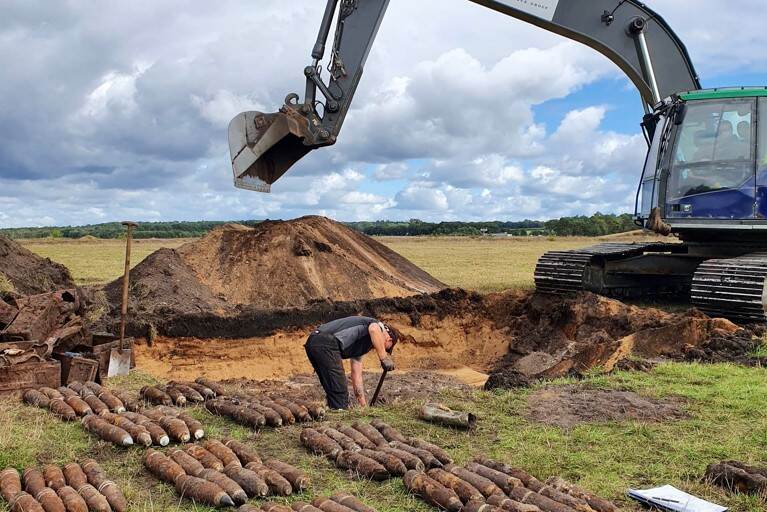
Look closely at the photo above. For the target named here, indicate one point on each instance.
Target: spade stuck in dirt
(120, 358)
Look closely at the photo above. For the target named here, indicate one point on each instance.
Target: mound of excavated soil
(569, 406)
(27, 273)
(273, 266)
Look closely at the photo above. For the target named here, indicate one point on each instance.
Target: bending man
(348, 338)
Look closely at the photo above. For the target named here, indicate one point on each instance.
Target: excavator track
(732, 288)
(566, 272)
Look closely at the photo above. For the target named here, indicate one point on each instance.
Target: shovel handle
(126, 278)
(378, 389)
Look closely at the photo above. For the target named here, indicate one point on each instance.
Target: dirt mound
(554, 337)
(273, 266)
(23, 272)
(569, 406)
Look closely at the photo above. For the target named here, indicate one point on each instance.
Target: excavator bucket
(264, 146)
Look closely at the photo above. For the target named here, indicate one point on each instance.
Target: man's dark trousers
(325, 355)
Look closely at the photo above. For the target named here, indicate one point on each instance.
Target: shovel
(120, 358)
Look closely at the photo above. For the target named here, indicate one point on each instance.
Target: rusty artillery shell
(10, 484)
(390, 433)
(363, 466)
(202, 491)
(502, 480)
(525, 495)
(190, 465)
(78, 405)
(440, 454)
(297, 478)
(356, 436)
(52, 394)
(253, 485)
(215, 386)
(462, 488)
(176, 395)
(370, 432)
(190, 394)
(107, 431)
(485, 486)
(408, 459)
(94, 386)
(526, 478)
(95, 404)
(205, 391)
(61, 409)
(75, 475)
(595, 502)
(319, 444)
(429, 460)
(49, 500)
(247, 507)
(96, 501)
(127, 400)
(352, 502)
(206, 458)
(287, 416)
(24, 502)
(220, 451)
(54, 477)
(176, 429)
(273, 419)
(479, 506)
(194, 426)
(245, 453)
(161, 466)
(98, 479)
(506, 503)
(72, 501)
(156, 432)
(111, 401)
(564, 498)
(328, 505)
(232, 488)
(67, 392)
(393, 465)
(299, 412)
(302, 506)
(35, 398)
(76, 386)
(277, 483)
(316, 410)
(240, 414)
(34, 481)
(346, 442)
(139, 433)
(275, 507)
(154, 395)
(432, 491)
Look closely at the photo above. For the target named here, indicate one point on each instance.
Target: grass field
(481, 264)
(726, 406)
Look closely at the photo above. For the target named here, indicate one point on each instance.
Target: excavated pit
(23, 272)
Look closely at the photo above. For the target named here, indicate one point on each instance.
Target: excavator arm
(264, 146)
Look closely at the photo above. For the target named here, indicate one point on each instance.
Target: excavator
(703, 184)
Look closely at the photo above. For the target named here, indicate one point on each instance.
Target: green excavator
(704, 181)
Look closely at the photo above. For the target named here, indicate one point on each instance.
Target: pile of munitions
(485, 485)
(259, 411)
(739, 477)
(373, 451)
(112, 417)
(224, 474)
(75, 488)
(182, 394)
(339, 502)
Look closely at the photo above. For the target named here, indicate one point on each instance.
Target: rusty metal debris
(438, 413)
(738, 477)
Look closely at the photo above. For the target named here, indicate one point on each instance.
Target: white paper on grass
(671, 498)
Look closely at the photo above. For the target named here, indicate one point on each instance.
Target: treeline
(596, 225)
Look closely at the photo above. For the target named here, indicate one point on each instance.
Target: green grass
(727, 407)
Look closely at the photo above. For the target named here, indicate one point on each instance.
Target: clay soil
(28, 273)
(276, 265)
(568, 406)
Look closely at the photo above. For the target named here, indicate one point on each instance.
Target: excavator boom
(264, 146)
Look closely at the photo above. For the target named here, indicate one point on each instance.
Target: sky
(119, 110)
